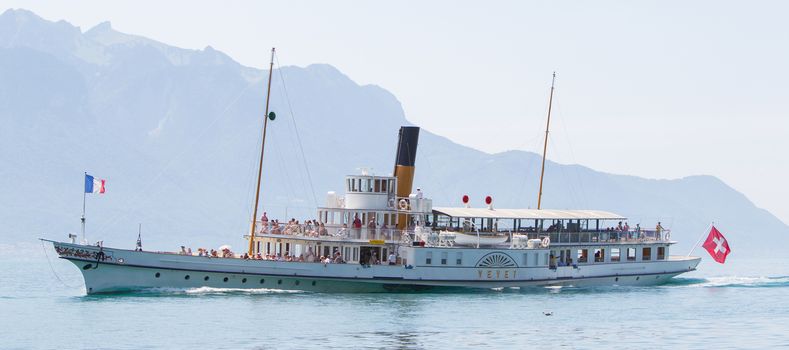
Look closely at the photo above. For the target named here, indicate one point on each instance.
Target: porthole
(297, 283)
(313, 283)
(87, 266)
(205, 278)
(262, 280)
(243, 280)
(637, 278)
(225, 279)
(158, 275)
(279, 281)
(616, 279)
(186, 277)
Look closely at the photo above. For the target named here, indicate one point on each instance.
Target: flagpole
(82, 219)
(701, 237)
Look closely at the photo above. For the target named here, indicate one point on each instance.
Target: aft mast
(262, 149)
(545, 145)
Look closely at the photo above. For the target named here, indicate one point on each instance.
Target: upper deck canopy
(547, 214)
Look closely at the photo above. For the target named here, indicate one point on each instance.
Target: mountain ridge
(179, 129)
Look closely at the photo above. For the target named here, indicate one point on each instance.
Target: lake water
(739, 305)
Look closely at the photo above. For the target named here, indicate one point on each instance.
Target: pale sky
(658, 89)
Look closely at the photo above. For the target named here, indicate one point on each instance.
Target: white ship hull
(116, 270)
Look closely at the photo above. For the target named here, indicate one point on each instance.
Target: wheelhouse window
(614, 254)
(661, 253)
(646, 254)
(631, 254)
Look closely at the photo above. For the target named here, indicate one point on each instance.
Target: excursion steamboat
(382, 236)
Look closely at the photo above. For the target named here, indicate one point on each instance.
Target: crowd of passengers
(315, 228)
(310, 256)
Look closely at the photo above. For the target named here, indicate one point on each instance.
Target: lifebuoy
(546, 241)
(403, 204)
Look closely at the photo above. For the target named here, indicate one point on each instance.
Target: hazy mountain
(176, 133)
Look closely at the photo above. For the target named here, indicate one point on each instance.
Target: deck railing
(393, 235)
(605, 236)
(333, 232)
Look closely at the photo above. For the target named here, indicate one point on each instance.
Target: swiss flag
(717, 245)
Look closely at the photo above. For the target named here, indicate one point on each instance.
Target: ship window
(243, 280)
(356, 254)
(158, 275)
(205, 278)
(444, 258)
(262, 280)
(459, 258)
(297, 283)
(661, 253)
(313, 283)
(186, 277)
(383, 186)
(583, 255)
(646, 254)
(599, 255)
(224, 279)
(377, 185)
(279, 281)
(614, 254)
(429, 258)
(631, 254)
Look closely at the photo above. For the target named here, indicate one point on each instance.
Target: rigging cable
(53, 269)
(138, 196)
(296, 129)
(583, 195)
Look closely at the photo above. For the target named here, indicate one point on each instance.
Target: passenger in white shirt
(392, 259)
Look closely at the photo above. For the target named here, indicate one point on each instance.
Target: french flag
(93, 185)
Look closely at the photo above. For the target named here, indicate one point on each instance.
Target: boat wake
(731, 282)
(208, 291)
